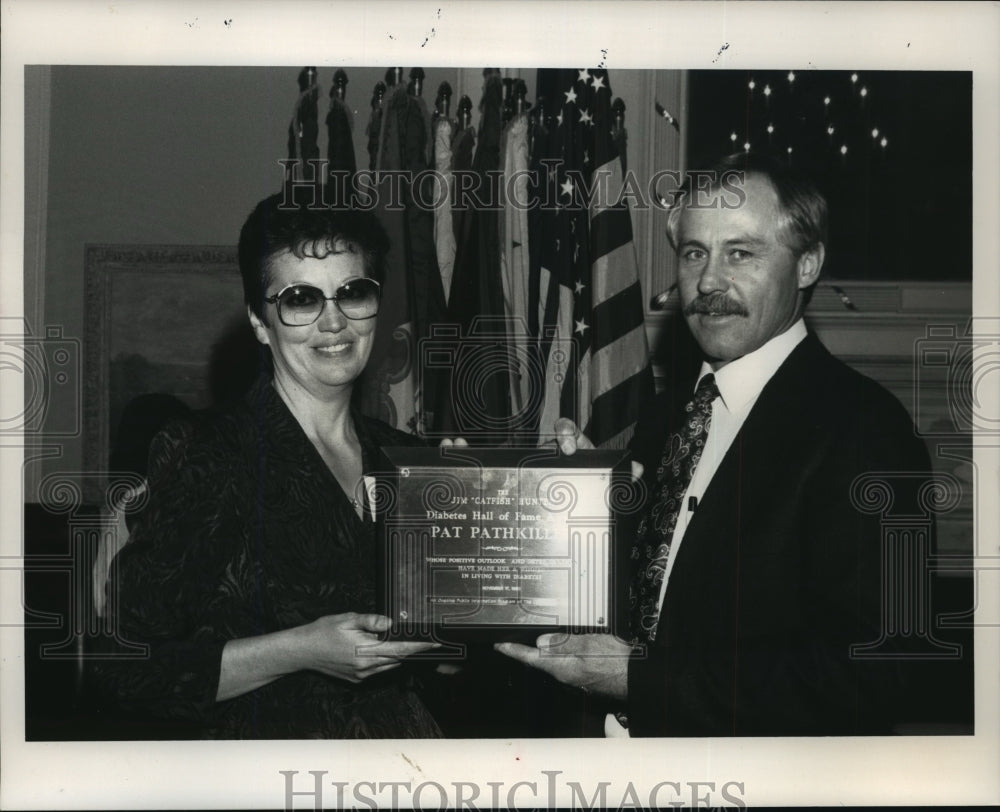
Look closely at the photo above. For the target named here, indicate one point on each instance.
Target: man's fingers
(552, 641)
(529, 655)
(567, 434)
(569, 437)
(564, 425)
(457, 442)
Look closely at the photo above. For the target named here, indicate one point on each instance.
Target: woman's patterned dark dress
(247, 532)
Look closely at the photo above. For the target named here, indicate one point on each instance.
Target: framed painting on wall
(167, 319)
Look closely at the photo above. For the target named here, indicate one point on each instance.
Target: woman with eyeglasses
(251, 576)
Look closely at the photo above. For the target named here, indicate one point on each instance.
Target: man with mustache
(755, 572)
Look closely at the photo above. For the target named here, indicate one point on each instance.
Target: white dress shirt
(740, 383)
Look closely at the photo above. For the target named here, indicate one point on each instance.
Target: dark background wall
(902, 211)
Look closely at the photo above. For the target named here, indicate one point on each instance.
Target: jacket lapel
(751, 469)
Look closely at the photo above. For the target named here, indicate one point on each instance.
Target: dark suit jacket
(778, 573)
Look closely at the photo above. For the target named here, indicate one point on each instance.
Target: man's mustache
(716, 304)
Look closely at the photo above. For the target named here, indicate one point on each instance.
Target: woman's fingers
(368, 622)
(397, 649)
(371, 670)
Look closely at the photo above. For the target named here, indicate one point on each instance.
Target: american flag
(589, 312)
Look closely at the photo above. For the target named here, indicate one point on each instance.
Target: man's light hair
(803, 223)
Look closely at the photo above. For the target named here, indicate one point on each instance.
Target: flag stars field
(588, 294)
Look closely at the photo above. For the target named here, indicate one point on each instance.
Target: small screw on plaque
(404, 471)
(403, 615)
(600, 621)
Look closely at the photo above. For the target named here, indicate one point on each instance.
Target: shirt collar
(741, 381)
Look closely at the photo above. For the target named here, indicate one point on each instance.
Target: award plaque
(499, 543)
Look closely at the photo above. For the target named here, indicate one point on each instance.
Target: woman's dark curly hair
(288, 222)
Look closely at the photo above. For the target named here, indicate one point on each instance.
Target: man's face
(740, 286)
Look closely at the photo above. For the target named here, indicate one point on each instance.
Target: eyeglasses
(301, 305)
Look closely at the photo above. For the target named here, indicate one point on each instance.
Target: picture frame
(167, 319)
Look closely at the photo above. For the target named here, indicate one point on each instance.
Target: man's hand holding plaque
(569, 438)
(594, 663)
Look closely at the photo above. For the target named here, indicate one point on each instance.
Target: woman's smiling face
(330, 353)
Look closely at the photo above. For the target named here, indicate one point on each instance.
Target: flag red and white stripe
(592, 333)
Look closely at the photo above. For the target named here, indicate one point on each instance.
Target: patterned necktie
(652, 548)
